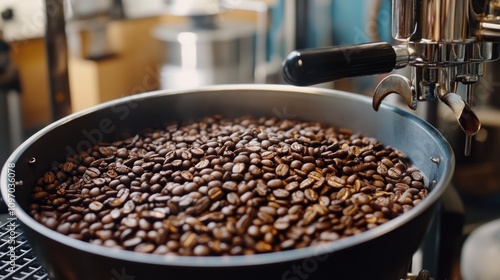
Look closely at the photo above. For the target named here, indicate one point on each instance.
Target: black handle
(314, 66)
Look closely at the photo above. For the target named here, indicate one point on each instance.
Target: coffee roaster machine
(445, 45)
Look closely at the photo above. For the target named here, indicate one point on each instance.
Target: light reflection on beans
(227, 187)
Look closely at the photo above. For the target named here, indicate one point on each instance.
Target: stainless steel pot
(380, 253)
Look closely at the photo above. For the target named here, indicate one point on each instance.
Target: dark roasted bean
(49, 177)
(282, 170)
(311, 195)
(282, 223)
(39, 195)
(336, 182)
(275, 183)
(281, 193)
(223, 187)
(95, 206)
(92, 172)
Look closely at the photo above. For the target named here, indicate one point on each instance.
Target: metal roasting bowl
(380, 253)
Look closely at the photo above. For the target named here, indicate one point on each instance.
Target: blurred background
(118, 48)
(62, 56)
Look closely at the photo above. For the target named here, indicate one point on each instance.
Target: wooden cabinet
(134, 69)
(29, 57)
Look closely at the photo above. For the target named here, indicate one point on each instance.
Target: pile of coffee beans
(222, 186)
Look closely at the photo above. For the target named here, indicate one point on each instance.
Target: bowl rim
(245, 260)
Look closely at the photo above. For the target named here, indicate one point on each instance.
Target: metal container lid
(193, 7)
(185, 33)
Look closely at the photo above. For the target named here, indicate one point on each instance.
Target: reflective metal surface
(403, 19)
(210, 49)
(198, 57)
(448, 41)
(431, 21)
(445, 42)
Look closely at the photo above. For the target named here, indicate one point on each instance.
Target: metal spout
(395, 84)
(466, 118)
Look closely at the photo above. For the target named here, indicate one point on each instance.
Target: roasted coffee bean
(96, 206)
(394, 173)
(417, 185)
(297, 197)
(311, 195)
(282, 170)
(92, 172)
(227, 186)
(49, 177)
(59, 201)
(230, 186)
(202, 164)
(215, 193)
(123, 169)
(233, 198)
(68, 167)
(238, 168)
(281, 193)
(282, 223)
(39, 195)
(343, 194)
(306, 183)
(275, 183)
(292, 186)
(336, 182)
(317, 176)
(74, 218)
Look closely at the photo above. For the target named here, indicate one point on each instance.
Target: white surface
(143, 8)
(480, 258)
(30, 17)
(89, 7)
(28, 21)
(193, 7)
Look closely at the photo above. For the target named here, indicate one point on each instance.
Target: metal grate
(13, 245)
